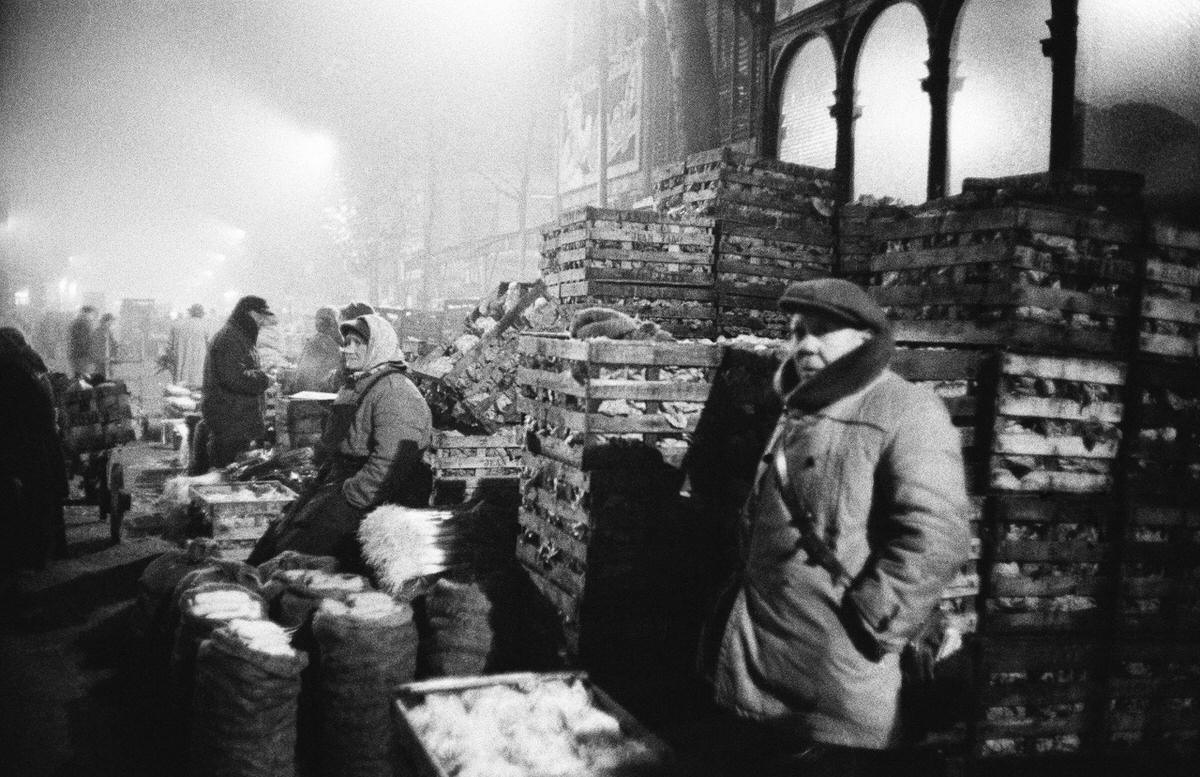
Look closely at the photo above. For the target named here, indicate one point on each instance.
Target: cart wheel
(118, 500)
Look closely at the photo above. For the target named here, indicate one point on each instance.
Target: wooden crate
(299, 422)
(240, 512)
(861, 234)
(1084, 189)
(96, 418)
(753, 267)
(1169, 324)
(1153, 697)
(634, 247)
(425, 759)
(740, 187)
(594, 543)
(1048, 564)
(462, 464)
(1035, 279)
(585, 393)
(1039, 697)
(1160, 569)
(1165, 433)
(1057, 424)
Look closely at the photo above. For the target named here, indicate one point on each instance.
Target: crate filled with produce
(860, 235)
(1038, 279)
(735, 186)
(1159, 588)
(1057, 424)
(1048, 563)
(528, 723)
(638, 262)
(300, 418)
(1153, 697)
(463, 463)
(95, 418)
(1169, 320)
(753, 267)
(238, 513)
(1164, 449)
(1038, 697)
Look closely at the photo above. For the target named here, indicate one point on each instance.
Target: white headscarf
(382, 346)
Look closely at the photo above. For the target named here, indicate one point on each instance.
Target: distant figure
(104, 347)
(271, 345)
(189, 343)
(79, 342)
(234, 383)
(33, 479)
(321, 359)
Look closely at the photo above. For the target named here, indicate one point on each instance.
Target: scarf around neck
(840, 378)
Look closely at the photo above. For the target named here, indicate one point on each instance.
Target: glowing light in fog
(314, 152)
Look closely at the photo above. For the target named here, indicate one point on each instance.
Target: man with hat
(234, 382)
(856, 523)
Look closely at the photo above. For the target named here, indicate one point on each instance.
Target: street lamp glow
(315, 151)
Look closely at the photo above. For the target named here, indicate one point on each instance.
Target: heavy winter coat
(391, 426)
(234, 383)
(319, 368)
(189, 342)
(881, 471)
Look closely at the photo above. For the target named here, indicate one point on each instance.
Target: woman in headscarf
(33, 480)
(320, 363)
(370, 452)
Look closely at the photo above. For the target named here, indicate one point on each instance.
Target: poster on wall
(580, 133)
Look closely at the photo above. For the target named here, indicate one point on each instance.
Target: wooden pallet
(1169, 322)
(1057, 426)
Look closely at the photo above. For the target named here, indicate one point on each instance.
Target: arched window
(1138, 97)
(1000, 110)
(891, 136)
(807, 131)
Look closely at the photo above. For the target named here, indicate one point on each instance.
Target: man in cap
(234, 382)
(856, 523)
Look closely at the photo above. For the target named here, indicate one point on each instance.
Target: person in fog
(33, 478)
(104, 347)
(189, 344)
(370, 452)
(321, 359)
(79, 342)
(233, 404)
(856, 523)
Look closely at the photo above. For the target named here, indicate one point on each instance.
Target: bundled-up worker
(856, 523)
(234, 382)
(370, 451)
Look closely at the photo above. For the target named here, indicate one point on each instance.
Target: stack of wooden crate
(96, 418)
(635, 261)
(1019, 276)
(773, 222)
(606, 421)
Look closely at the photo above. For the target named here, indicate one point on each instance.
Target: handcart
(94, 421)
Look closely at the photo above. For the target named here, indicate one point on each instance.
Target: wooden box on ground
(1036, 279)
(447, 706)
(753, 267)
(239, 512)
(732, 185)
(1169, 324)
(1057, 424)
(462, 464)
(1048, 564)
(300, 419)
(1039, 697)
